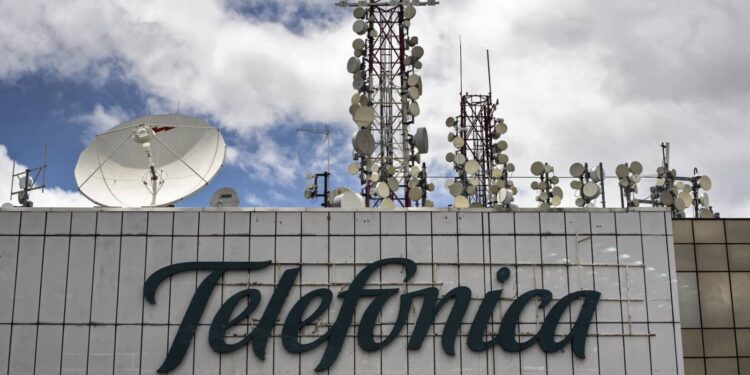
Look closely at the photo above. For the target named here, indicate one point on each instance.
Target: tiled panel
(134, 223)
(33, 223)
(58, 223)
(22, 349)
(109, 223)
(84, 223)
(28, 279)
(48, 350)
(95, 279)
(8, 263)
(54, 277)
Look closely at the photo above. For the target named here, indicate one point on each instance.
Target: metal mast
(386, 59)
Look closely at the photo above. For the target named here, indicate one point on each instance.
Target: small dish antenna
(150, 161)
(225, 197)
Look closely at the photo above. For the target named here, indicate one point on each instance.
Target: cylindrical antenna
(461, 64)
(489, 73)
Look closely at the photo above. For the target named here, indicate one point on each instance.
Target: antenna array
(386, 58)
(550, 195)
(680, 193)
(588, 183)
(482, 167)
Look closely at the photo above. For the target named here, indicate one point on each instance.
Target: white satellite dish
(461, 202)
(364, 116)
(622, 171)
(591, 190)
(359, 12)
(353, 65)
(505, 197)
(348, 200)
(421, 141)
(364, 142)
(471, 167)
(577, 170)
(409, 12)
(150, 161)
(225, 197)
(636, 167)
(704, 182)
(387, 203)
(415, 194)
(359, 27)
(537, 168)
(456, 189)
(352, 168)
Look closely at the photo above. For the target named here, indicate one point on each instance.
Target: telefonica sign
(333, 339)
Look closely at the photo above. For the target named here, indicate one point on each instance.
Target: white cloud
(51, 197)
(577, 80)
(101, 119)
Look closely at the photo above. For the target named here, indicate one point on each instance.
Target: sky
(578, 81)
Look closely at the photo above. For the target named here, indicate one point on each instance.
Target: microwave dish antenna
(225, 197)
(151, 161)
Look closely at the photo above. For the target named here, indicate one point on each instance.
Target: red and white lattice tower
(386, 59)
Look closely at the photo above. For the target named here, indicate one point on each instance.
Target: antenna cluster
(550, 195)
(680, 193)
(384, 65)
(588, 183)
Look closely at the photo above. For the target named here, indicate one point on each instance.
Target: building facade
(713, 269)
(418, 291)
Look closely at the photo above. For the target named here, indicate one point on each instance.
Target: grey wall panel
(22, 349)
(154, 344)
(28, 279)
(8, 263)
(106, 279)
(183, 285)
(101, 349)
(80, 276)
(75, 349)
(49, 350)
(54, 280)
(158, 255)
(4, 346)
(127, 350)
(132, 276)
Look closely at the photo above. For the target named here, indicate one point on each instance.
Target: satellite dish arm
(105, 161)
(180, 159)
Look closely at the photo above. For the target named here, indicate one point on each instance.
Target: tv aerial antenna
(26, 182)
(384, 65)
(151, 161)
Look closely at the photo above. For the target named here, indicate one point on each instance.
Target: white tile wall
(80, 286)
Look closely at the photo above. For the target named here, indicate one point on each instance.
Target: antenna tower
(483, 170)
(386, 59)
